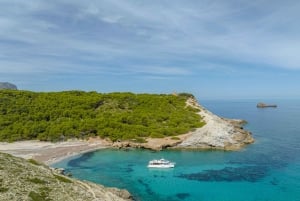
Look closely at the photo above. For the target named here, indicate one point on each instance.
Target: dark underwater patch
(147, 187)
(127, 169)
(84, 157)
(229, 174)
(159, 176)
(274, 181)
(183, 196)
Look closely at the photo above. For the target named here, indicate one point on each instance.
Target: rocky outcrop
(217, 133)
(7, 85)
(156, 144)
(22, 179)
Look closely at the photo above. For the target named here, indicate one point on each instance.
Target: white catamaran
(161, 163)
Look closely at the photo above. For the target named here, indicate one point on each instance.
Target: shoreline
(50, 153)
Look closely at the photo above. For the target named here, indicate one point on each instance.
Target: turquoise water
(268, 170)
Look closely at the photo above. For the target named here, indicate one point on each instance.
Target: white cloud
(159, 70)
(120, 36)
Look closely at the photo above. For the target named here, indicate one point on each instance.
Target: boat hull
(152, 166)
(161, 166)
(162, 163)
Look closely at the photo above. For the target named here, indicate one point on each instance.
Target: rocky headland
(217, 133)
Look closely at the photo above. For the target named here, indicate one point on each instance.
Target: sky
(215, 49)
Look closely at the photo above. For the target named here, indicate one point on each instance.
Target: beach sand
(48, 152)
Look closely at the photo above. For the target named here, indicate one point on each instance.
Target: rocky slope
(22, 179)
(217, 133)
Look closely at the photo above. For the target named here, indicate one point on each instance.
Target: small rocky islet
(264, 105)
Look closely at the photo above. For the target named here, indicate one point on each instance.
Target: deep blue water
(268, 170)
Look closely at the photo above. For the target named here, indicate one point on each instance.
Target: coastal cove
(149, 100)
(265, 170)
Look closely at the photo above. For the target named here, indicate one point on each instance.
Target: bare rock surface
(217, 133)
(156, 144)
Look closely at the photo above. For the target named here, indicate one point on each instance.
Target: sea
(267, 170)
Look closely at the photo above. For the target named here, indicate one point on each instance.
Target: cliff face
(27, 180)
(217, 133)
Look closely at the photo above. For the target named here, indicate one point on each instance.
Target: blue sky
(214, 49)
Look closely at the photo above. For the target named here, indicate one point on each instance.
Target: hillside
(7, 85)
(56, 116)
(28, 180)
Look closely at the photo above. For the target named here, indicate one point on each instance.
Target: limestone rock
(217, 133)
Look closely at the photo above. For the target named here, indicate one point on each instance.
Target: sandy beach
(48, 152)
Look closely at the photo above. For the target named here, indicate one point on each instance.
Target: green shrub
(34, 162)
(186, 95)
(3, 190)
(157, 135)
(42, 196)
(36, 181)
(63, 179)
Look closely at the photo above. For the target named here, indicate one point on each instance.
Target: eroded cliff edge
(217, 133)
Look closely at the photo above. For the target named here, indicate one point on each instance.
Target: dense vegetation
(55, 116)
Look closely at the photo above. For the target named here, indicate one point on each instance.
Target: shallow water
(268, 170)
